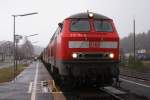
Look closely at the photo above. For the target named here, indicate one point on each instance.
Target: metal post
(134, 38)
(15, 42)
(16, 56)
(14, 46)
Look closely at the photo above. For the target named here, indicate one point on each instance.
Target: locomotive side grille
(93, 56)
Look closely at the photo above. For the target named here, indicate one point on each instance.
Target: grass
(147, 65)
(7, 74)
(138, 65)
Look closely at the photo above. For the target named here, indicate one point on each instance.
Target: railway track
(113, 96)
(93, 94)
(136, 75)
(82, 93)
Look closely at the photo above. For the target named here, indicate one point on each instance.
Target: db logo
(94, 44)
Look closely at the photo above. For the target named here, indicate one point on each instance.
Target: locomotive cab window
(103, 26)
(80, 25)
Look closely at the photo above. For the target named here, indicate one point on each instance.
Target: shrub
(135, 65)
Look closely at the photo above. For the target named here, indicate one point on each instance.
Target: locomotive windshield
(80, 25)
(102, 26)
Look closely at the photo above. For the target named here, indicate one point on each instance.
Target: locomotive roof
(86, 15)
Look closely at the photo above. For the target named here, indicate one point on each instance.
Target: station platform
(28, 85)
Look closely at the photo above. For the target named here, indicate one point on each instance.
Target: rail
(113, 96)
(80, 94)
(137, 75)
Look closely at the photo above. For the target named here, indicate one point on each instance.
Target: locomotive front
(88, 49)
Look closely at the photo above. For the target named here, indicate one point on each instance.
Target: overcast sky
(50, 12)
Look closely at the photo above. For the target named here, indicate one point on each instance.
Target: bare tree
(27, 50)
(6, 50)
(142, 42)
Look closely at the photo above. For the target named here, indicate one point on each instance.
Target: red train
(84, 49)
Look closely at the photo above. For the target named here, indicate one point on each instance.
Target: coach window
(80, 25)
(103, 26)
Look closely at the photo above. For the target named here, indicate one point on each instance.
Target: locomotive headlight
(74, 55)
(111, 55)
(90, 14)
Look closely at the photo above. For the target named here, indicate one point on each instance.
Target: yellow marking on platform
(52, 87)
(59, 97)
(56, 93)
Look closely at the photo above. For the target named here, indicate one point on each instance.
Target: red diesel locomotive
(84, 49)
